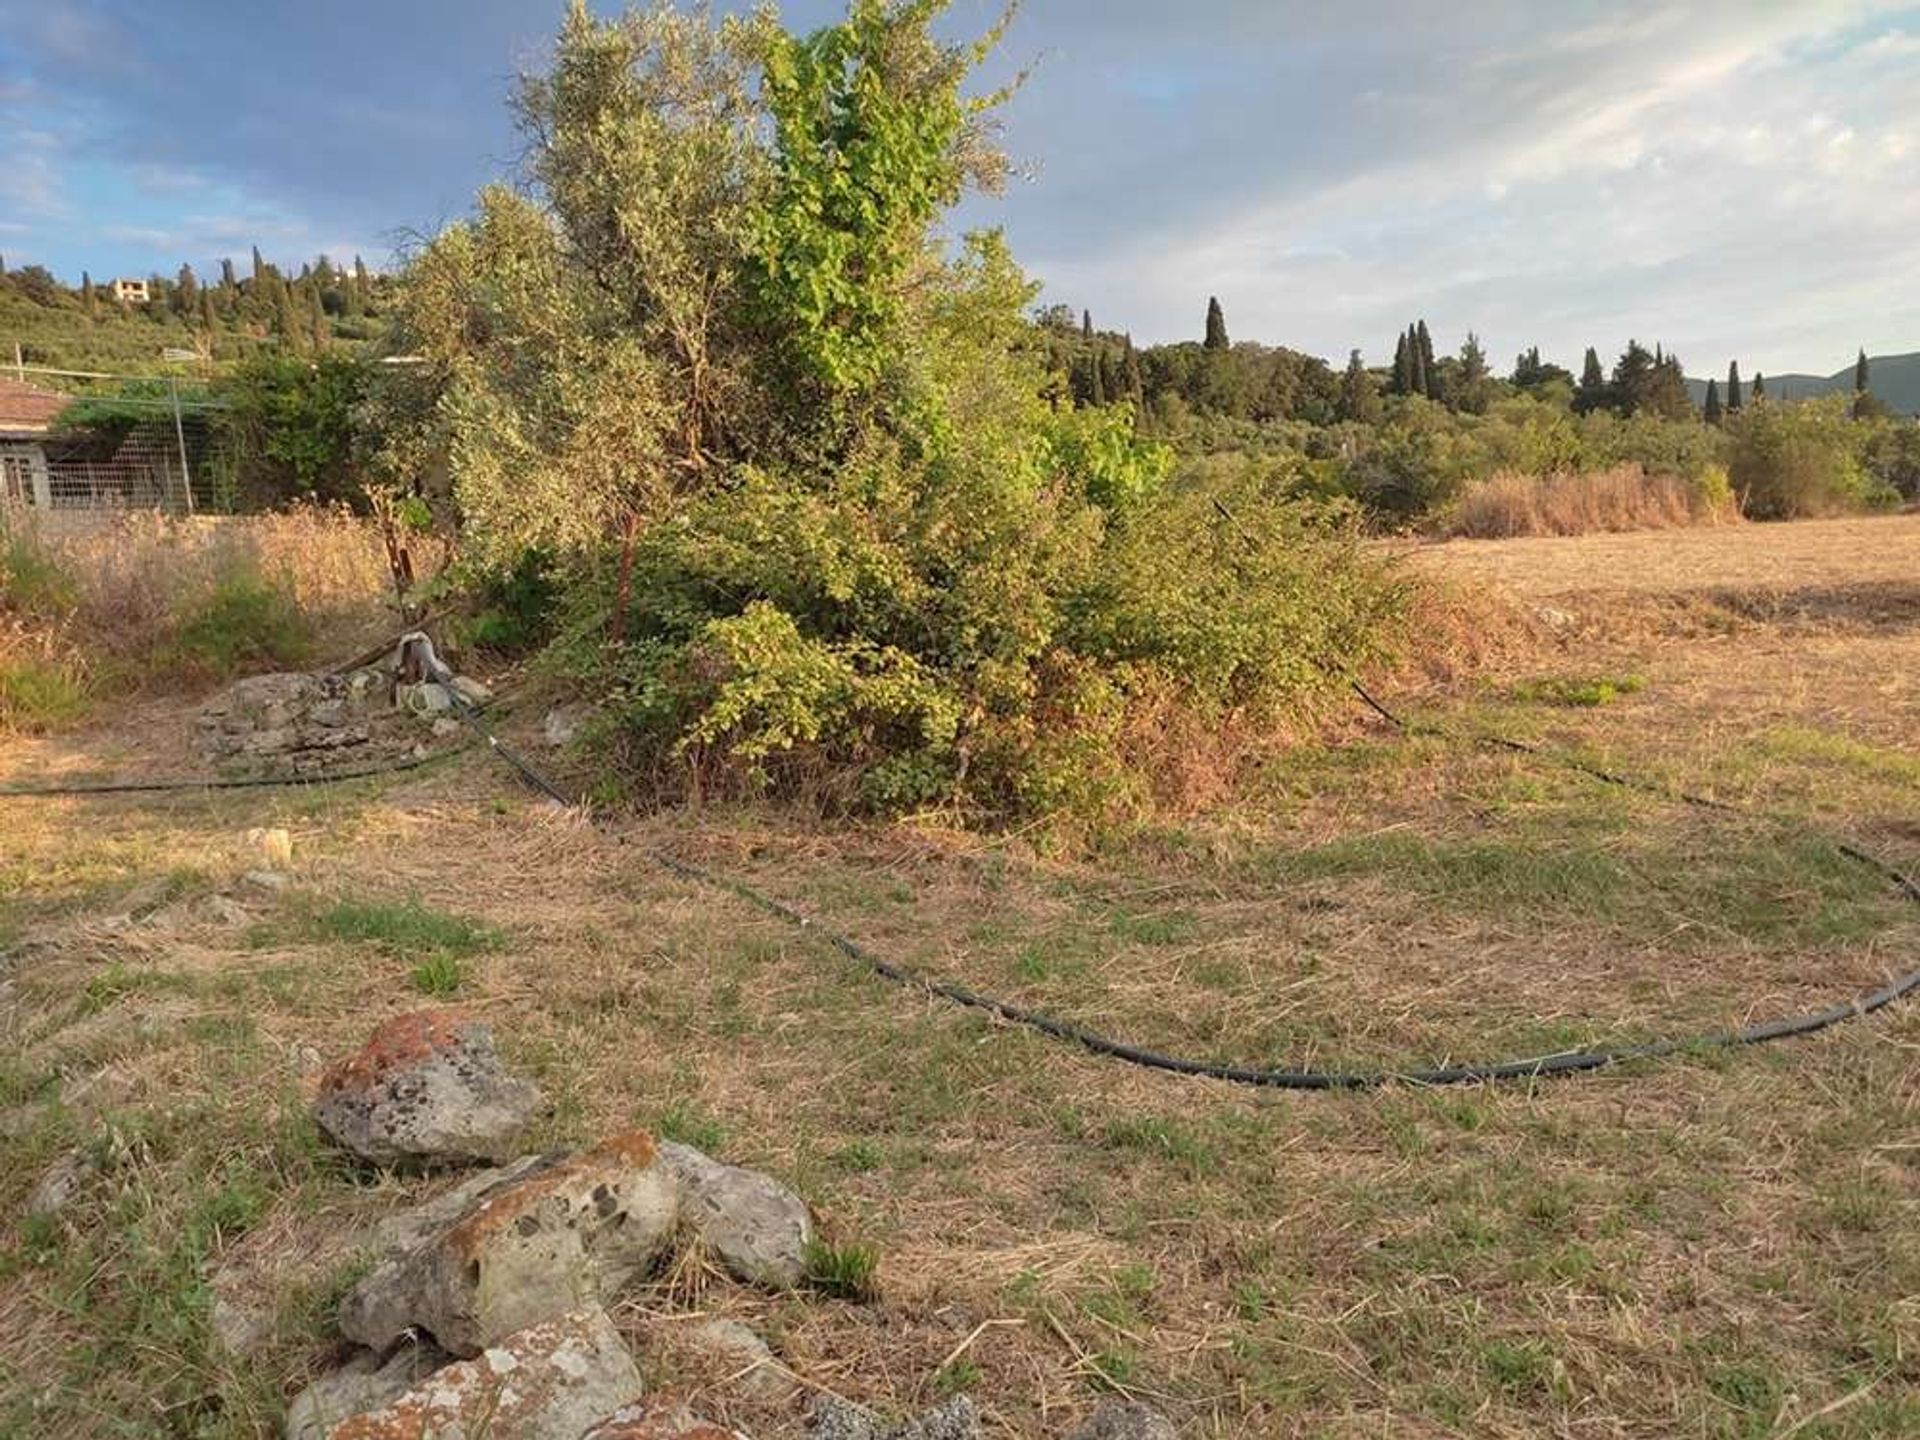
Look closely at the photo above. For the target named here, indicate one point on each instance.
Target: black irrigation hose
(248, 782)
(1563, 1063)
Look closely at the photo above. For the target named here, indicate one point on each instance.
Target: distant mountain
(1894, 378)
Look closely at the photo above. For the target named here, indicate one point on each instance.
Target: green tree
(89, 299)
(1402, 381)
(1592, 392)
(1475, 386)
(1759, 387)
(186, 293)
(1712, 413)
(1734, 399)
(1216, 325)
(1086, 325)
(1427, 371)
(1359, 396)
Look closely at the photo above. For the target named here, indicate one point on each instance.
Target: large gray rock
(428, 1088)
(549, 1381)
(1125, 1420)
(754, 1225)
(366, 1382)
(554, 1237)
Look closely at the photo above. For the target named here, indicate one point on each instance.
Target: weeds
(407, 928)
(437, 975)
(1579, 692)
(847, 1272)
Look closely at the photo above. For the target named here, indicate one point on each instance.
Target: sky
(1729, 178)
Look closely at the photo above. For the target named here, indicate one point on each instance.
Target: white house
(131, 292)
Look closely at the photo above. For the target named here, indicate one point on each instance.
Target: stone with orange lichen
(548, 1238)
(549, 1381)
(428, 1088)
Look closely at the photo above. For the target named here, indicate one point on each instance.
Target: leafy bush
(1791, 461)
(245, 621)
(815, 525)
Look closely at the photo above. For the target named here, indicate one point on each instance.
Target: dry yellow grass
(1625, 497)
(1717, 1247)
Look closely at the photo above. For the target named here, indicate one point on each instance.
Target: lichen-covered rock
(559, 1235)
(428, 1088)
(1125, 1420)
(835, 1419)
(364, 1383)
(549, 1381)
(658, 1418)
(754, 1225)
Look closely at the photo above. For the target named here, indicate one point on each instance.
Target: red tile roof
(27, 407)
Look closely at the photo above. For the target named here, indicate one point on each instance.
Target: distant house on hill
(26, 415)
(131, 292)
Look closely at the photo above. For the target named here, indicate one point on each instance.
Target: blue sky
(1725, 178)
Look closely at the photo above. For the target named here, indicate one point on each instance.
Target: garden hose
(1565, 1062)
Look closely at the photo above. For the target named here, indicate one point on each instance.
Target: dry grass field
(1720, 1245)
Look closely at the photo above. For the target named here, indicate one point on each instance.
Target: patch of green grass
(1164, 1139)
(1823, 747)
(689, 1126)
(1580, 692)
(960, 1376)
(437, 975)
(847, 1272)
(407, 928)
(859, 1157)
(38, 694)
(1519, 1368)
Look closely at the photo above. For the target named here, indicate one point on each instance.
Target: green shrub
(38, 693)
(245, 622)
(1794, 461)
(32, 582)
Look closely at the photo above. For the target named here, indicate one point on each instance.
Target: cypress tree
(1713, 413)
(1097, 377)
(1429, 372)
(88, 300)
(1216, 325)
(1592, 394)
(1759, 387)
(207, 321)
(227, 281)
(1086, 325)
(286, 318)
(1359, 401)
(1733, 387)
(259, 266)
(186, 292)
(1136, 383)
(1402, 366)
(1418, 376)
(1860, 374)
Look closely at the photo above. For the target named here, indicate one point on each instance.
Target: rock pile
(485, 1312)
(310, 722)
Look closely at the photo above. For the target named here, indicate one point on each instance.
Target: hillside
(1894, 378)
